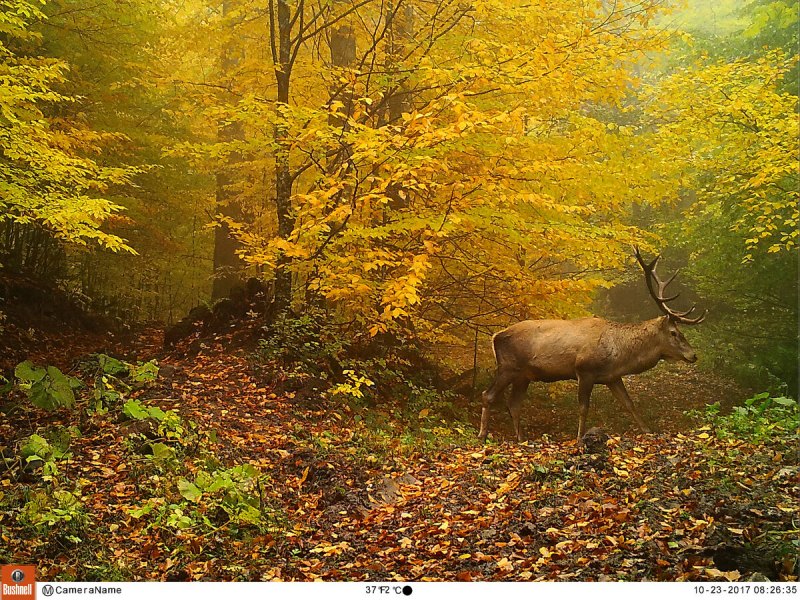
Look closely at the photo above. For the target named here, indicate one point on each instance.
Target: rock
(186, 326)
(594, 441)
(166, 372)
(746, 560)
(387, 490)
(146, 428)
(248, 300)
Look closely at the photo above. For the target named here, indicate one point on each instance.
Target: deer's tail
(497, 350)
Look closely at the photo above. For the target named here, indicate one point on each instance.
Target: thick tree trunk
(227, 264)
(401, 30)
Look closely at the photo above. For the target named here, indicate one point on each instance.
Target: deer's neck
(638, 346)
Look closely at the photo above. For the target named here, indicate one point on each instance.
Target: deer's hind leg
(501, 381)
(585, 385)
(519, 391)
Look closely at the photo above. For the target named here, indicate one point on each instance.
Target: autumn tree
(53, 186)
(121, 62)
(444, 173)
(93, 121)
(725, 124)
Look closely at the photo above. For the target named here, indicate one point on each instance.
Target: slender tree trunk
(283, 176)
(343, 55)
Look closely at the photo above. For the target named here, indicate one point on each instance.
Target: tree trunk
(400, 24)
(283, 177)
(343, 55)
(227, 264)
(401, 30)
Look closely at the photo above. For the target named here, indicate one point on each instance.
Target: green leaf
(144, 509)
(184, 522)
(189, 490)
(222, 481)
(783, 401)
(39, 397)
(162, 451)
(36, 447)
(245, 471)
(112, 366)
(203, 480)
(29, 373)
(135, 410)
(156, 413)
(145, 372)
(60, 388)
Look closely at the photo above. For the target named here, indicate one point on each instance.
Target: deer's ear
(664, 322)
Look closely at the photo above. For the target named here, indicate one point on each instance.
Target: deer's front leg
(620, 393)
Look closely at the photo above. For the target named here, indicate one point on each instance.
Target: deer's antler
(658, 291)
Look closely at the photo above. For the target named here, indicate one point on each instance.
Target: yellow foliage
(47, 176)
(729, 134)
(458, 174)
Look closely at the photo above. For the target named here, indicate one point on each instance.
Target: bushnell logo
(18, 582)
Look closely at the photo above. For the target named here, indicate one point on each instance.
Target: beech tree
(49, 176)
(425, 166)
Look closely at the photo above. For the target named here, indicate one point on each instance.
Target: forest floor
(346, 492)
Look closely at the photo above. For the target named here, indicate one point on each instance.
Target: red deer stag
(590, 350)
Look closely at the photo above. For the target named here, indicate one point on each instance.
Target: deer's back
(548, 349)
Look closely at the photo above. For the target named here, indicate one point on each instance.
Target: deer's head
(673, 343)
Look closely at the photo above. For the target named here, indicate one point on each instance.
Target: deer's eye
(673, 333)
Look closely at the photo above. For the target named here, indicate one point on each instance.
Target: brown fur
(590, 350)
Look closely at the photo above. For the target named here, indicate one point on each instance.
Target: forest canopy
(414, 168)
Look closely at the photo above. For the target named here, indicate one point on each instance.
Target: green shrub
(762, 417)
(114, 379)
(37, 450)
(46, 387)
(60, 512)
(300, 341)
(135, 409)
(50, 389)
(211, 500)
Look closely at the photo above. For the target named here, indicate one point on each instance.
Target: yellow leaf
(729, 575)
(305, 475)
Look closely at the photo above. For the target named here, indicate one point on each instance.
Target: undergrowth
(181, 485)
(761, 418)
(378, 382)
